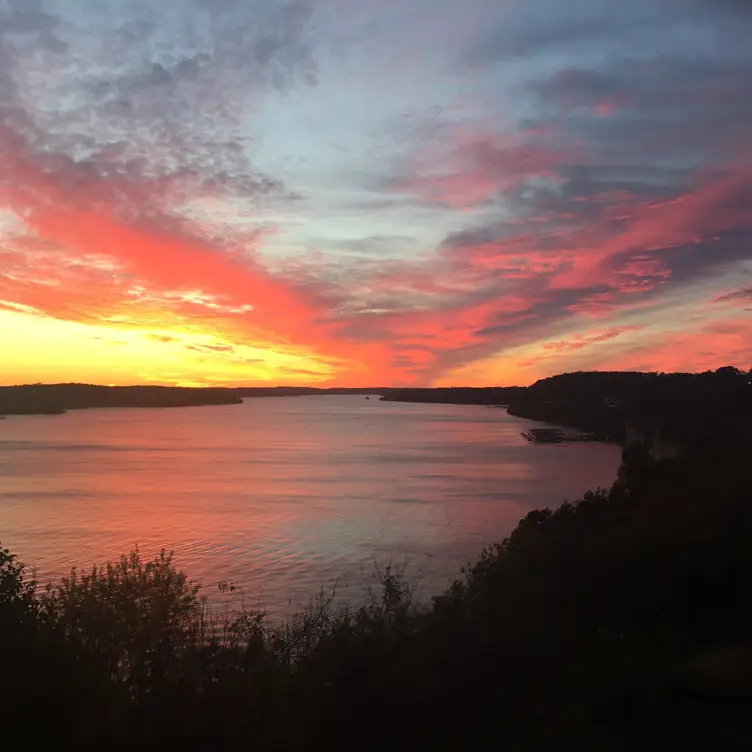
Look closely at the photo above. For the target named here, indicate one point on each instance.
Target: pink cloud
(609, 106)
(725, 342)
(405, 322)
(736, 297)
(588, 338)
(476, 168)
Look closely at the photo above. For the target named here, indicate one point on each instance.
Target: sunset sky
(373, 192)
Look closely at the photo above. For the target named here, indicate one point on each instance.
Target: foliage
(131, 620)
(604, 402)
(16, 592)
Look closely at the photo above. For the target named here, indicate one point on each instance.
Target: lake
(281, 495)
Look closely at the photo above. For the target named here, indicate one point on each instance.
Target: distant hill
(604, 402)
(492, 395)
(50, 399)
(54, 399)
(305, 391)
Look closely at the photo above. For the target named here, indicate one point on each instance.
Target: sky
(373, 192)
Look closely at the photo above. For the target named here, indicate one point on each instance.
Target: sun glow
(42, 349)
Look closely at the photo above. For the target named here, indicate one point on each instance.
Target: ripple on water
(281, 495)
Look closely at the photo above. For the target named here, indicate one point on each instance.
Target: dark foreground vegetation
(620, 621)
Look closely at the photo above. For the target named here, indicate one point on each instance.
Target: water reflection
(280, 494)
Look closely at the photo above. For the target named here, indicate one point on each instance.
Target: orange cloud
(74, 253)
(77, 261)
(721, 342)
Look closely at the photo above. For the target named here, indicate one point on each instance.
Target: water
(281, 495)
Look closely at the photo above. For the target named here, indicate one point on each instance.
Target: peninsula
(54, 399)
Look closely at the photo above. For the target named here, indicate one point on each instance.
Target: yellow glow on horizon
(497, 371)
(37, 349)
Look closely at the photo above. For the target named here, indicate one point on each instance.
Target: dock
(557, 436)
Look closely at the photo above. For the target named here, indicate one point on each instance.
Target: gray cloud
(741, 295)
(549, 28)
(639, 27)
(143, 103)
(666, 112)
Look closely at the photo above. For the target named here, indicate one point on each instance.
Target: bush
(32, 659)
(135, 620)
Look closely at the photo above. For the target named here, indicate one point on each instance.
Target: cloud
(743, 295)
(156, 122)
(164, 338)
(599, 26)
(583, 340)
(546, 30)
(567, 254)
(720, 342)
(476, 169)
(211, 348)
(243, 173)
